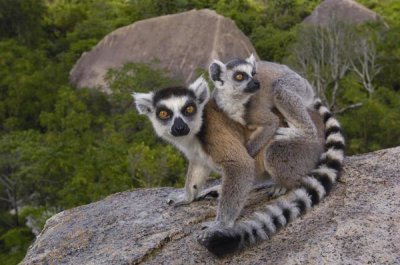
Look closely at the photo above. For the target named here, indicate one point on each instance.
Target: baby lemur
(279, 114)
(211, 140)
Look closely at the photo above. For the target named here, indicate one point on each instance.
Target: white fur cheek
(161, 130)
(195, 124)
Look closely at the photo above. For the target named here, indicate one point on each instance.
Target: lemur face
(237, 76)
(175, 111)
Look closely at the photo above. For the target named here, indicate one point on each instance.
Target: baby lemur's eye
(163, 114)
(239, 77)
(190, 110)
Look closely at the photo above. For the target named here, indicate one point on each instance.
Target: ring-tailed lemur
(289, 155)
(313, 188)
(282, 92)
(208, 138)
(212, 141)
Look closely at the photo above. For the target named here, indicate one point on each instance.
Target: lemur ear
(215, 71)
(200, 89)
(143, 102)
(252, 60)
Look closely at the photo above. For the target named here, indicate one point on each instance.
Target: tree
(18, 152)
(323, 55)
(365, 64)
(134, 77)
(22, 20)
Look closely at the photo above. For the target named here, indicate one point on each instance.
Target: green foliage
(26, 83)
(18, 151)
(156, 166)
(375, 125)
(22, 20)
(390, 58)
(14, 242)
(276, 26)
(271, 43)
(134, 77)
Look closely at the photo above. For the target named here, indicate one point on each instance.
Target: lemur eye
(163, 114)
(239, 77)
(190, 110)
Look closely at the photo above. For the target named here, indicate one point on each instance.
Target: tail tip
(220, 243)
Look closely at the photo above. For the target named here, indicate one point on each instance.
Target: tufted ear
(252, 60)
(143, 102)
(216, 69)
(200, 89)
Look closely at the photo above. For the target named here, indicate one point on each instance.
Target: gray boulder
(341, 10)
(180, 43)
(358, 223)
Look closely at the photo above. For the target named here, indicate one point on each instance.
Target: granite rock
(348, 11)
(358, 223)
(180, 43)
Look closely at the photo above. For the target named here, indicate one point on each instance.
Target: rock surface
(181, 43)
(359, 223)
(342, 10)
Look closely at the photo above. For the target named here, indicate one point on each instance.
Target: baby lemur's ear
(252, 60)
(200, 89)
(216, 69)
(144, 102)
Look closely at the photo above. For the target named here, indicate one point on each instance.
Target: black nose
(252, 86)
(179, 128)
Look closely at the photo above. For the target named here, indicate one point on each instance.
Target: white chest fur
(192, 149)
(233, 105)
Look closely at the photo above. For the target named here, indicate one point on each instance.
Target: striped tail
(285, 209)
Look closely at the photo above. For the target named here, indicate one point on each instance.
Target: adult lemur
(212, 141)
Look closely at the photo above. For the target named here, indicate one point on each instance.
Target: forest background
(61, 147)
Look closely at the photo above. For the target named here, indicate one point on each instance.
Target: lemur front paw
(209, 225)
(205, 236)
(178, 200)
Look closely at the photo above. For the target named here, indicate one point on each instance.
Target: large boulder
(348, 11)
(181, 43)
(358, 223)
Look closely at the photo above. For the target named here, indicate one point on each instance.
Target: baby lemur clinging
(258, 103)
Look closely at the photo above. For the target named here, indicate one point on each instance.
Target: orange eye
(239, 77)
(163, 115)
(189, 109)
